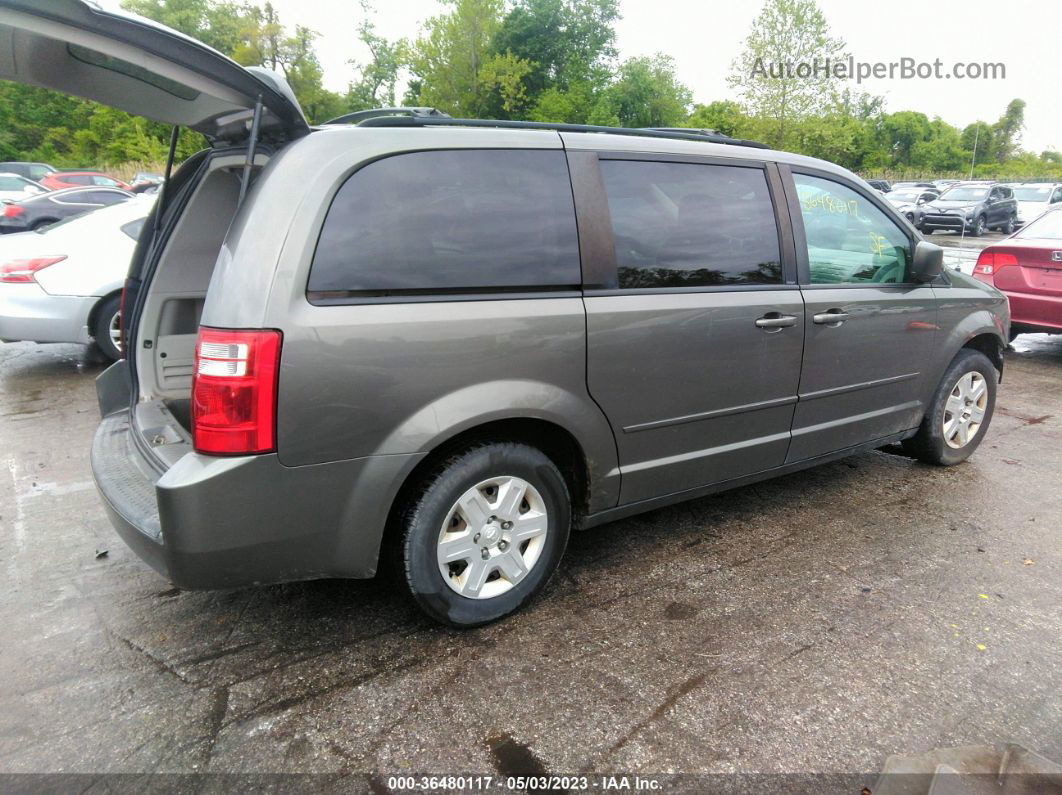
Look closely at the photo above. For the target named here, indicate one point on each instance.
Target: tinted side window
(38, 172)
(455, 221)
(691, 225)
(850, 240)
(103, 197)
(76, 179)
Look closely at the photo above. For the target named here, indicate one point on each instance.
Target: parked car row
(970, 207)
(38, 211)
(63, 282)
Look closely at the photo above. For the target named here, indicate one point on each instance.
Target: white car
(1035, 198)
(64, 283)
(15, 188)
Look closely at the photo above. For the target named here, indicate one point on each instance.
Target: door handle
(774, 321)
(831, 317)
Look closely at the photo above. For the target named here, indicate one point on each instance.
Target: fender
(465, 409)
(966, 311)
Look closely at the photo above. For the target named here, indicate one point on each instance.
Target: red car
(58, 180)
(1027, 267)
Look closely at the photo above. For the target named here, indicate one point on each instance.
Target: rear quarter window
(453, 221)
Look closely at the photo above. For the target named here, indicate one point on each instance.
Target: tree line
(541, 60)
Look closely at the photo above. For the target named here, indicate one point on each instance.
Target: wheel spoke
(963, 434)
(486, 545)
(475, 576)
(510, 495)
(977, 414)
(528, 526)
(954, 405)
(512, 565)
(952, 427)
(460, 547)
(474, 508)
(978, 389)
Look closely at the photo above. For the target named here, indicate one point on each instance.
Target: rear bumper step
(213, 522)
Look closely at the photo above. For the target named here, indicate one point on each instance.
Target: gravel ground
(818, 622)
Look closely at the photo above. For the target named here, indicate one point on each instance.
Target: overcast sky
(705, 36)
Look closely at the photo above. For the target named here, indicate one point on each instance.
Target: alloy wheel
(492, 537)
(114, 331)
(964, 411)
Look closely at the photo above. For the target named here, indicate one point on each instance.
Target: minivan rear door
(695, 324)
(138, 66)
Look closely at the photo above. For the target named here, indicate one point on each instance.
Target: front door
(869, 328)
(693, 350)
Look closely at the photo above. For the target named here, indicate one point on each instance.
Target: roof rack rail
(442, 120)
(361, 115)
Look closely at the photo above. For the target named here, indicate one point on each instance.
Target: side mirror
(928, 262)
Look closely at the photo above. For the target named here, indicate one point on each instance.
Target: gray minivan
(448, 342)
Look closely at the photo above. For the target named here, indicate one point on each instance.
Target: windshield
(1048, 227)
(904, 195)
(1039, 193)
(964, 194)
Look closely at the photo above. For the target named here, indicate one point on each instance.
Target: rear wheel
(38, 225)
(959, 413)
(484, 533)
(106, 328)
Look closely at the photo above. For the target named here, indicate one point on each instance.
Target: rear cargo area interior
(166, 335)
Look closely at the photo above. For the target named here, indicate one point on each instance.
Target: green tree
(569, 49)
(724, 116)
(797, 30)
(216, 24)
(1006, 132)
(375, 85)
(448, 57)
(978, 140)
(646, 93)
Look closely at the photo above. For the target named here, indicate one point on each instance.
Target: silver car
(446, 343)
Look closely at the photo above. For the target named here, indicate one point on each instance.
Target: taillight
(234, 391)
(991, 261)
(22, 271)
(13, 211)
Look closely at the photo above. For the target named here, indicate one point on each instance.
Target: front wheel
(1008, 227)
(979, 227)
(959, 413)
(484, 533)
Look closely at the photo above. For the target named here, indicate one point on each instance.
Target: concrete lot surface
(818, 622)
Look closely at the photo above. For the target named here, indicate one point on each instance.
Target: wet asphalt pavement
(818, 622)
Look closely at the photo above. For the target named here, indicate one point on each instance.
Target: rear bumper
(29, 313)
(1035, 311)
(222, 522)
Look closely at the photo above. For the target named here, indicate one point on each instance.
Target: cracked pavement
(815, 623)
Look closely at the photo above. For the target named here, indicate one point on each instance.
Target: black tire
(41, 224)
(1008, 227)
(978, 227)
(928, 444)
(429, 507)
(101, 327)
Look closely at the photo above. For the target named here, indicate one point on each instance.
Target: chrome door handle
(834, 317)
(773, 321)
